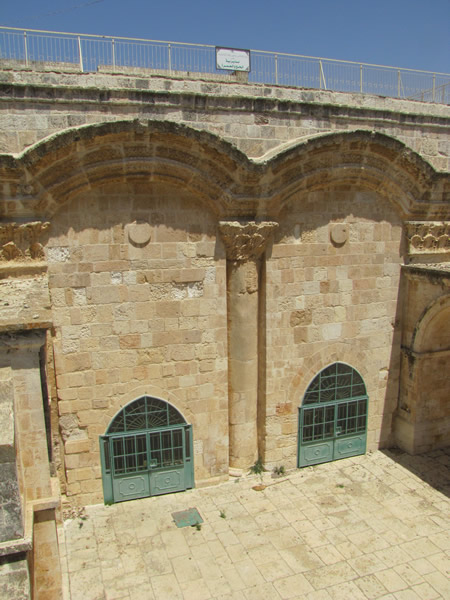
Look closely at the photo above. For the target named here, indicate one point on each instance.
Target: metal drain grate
(187, 518)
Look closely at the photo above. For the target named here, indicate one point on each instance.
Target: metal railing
(35, 49)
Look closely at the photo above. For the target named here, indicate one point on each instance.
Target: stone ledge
(25, 543)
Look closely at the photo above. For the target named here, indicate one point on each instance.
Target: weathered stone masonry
(217, 244)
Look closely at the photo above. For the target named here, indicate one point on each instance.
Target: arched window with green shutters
(146, 451)
(333, 416)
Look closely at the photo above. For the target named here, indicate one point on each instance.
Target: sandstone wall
(332, 295)
(147, 198)
(137, 309)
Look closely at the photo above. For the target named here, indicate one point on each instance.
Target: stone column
(245, 243)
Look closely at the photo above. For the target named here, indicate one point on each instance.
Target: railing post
(276, 69)
(81, 55)
(360, 78)
(26, 47)
(113, 50)
(434, 87)
(170, 59)
(322, 77)
(399, 80)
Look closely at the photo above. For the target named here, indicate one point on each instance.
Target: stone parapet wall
(256, 118)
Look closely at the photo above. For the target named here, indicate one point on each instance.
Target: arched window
(146, 451)
(145, 413)
(336, 382)
(333, 416)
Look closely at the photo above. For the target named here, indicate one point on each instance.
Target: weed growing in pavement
(279, 471)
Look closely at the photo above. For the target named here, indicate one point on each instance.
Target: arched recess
(428, 391)
(432, 331)
(359, 160)
(146, 451)
(333, 416)
(60, 168)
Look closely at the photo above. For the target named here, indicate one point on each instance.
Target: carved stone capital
(245, 241)
(428, 237)
(19, 241)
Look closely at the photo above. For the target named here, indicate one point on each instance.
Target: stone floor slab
(365, 528)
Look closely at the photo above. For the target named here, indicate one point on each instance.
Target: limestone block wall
(138, 290)
(256, 118)
(422, 421)
(20, 364)
(332, 295)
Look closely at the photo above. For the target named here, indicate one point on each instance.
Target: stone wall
(255, 118)
(423, 420)
(216, 244)
(137, 284)
(332, 294)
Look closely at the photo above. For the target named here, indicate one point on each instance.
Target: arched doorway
(333, 416)
(146, 451)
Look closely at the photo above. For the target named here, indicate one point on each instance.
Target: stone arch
(423, 422)
(332, 353)
(432, 332)
(144, 390)
(59, 168)
(358, 159)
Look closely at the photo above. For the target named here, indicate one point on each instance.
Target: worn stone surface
(29, 474)
(14, 578)
(11, 524)
(369, 527)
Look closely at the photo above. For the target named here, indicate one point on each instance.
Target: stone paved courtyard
(375, 526)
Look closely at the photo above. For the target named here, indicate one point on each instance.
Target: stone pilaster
(245, 243)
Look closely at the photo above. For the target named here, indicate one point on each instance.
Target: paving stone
(292, 586)
(195, 589)
(330, 575)
(165, 587)
(265, 590)
(391, 580)
(134, 550)
(346, 590)
(439, 582)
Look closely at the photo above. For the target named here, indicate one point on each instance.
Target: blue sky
(403, 33)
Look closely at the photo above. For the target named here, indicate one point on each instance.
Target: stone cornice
(428, 237)
(20, 241)
(245, 241)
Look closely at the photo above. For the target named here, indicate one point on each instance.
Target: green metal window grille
(145, 413)
(336, 382)
(130, 454)
(166, 448)
(324, 422)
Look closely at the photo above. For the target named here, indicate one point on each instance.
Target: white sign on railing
(232, 59)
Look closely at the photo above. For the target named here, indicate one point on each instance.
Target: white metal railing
(84, 52)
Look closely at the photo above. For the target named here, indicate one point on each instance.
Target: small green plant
(222, 514)
(198, 526)
(279, 471)
(258, 469)
(340, 485)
